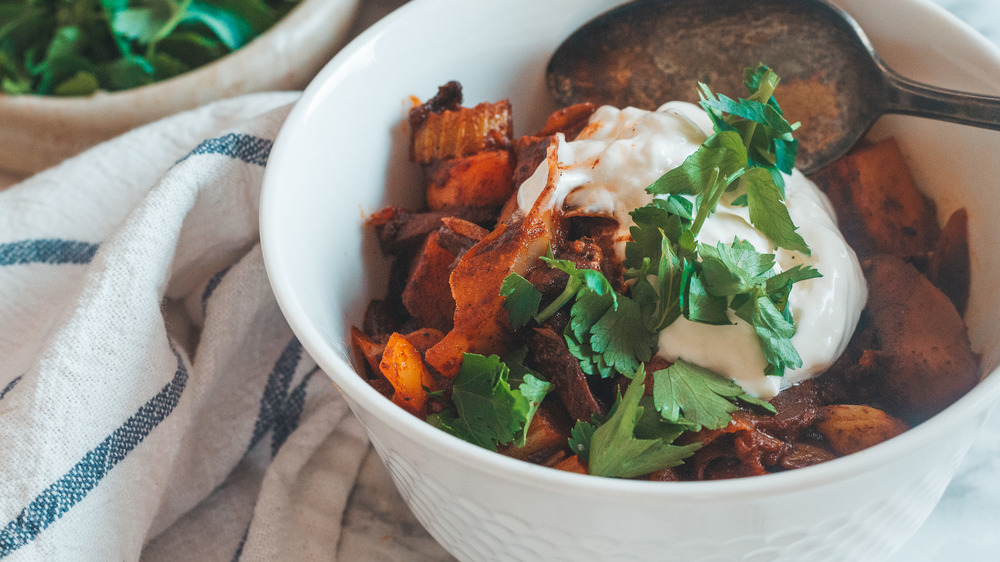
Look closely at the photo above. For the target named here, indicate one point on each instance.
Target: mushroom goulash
(659, 294)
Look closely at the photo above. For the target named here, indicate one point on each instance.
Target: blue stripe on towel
(291, 411)
(243, 542)
(10, 386)
(213, 284)
(279, 409)
(276, 390)
(73, 486)
(46, 250)
(248, 148)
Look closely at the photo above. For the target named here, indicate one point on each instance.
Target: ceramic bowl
(37, 132)
(342, 154)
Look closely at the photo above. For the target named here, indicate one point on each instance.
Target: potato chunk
(481, 324)
(922, 360)
(879, 208)
(849, 429)
(571, 463)
(404, 368)
(462, 131)
(427, 296)
(484, 179)
(949, 265)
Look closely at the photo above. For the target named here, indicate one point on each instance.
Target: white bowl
(342, 154)
(37, 132)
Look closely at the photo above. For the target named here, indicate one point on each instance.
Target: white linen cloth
(155, 406)
(153, 402)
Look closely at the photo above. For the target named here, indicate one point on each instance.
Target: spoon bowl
(648, 52)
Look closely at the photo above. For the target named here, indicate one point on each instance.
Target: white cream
(606, 171)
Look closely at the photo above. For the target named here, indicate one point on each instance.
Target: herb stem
(765, 89)
(572, 286)
(715, 190)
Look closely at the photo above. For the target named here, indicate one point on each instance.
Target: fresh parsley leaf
(751, 110)
(757, 295)
(774, 331)
(651, 424)
(580, 280)
(729, 270)
(607, 332)
(516, 369)
(622, 338)
(702, 306)
(719, 159)
(579, 439)
(752, 79)
(587, 311)
(591, 362)
(671, 280)
(769, 146)
(529, 383)
(690, 395)
(768, 212)
(778, 286)
(758, 119)
(487, 411)
(651, 224)
(589, 278)
(616, 452)
(642, 290)
(521, 299)
(533, 390)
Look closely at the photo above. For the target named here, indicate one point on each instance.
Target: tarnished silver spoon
(647, 52)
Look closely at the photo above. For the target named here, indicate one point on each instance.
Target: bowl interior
(342, 155)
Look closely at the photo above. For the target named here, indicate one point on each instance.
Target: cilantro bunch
(76, 47)
(671, 274)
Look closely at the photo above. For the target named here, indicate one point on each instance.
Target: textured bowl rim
(357, 391)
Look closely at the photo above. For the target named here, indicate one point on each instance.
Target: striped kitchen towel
(153, 402)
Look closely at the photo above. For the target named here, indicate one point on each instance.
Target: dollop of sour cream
(606, 171)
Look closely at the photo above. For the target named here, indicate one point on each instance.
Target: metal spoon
(647, 52)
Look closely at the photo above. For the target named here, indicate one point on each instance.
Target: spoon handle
(909, 97)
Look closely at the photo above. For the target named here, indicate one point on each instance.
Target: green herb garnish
(689, 395)
(614, 450)
(76, 47)
(488, 412)
(671, 274)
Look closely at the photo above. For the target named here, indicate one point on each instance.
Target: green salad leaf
(76, 47)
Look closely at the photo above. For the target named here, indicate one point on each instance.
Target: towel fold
(153, 402)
